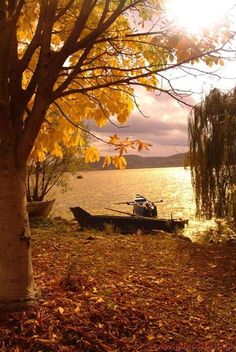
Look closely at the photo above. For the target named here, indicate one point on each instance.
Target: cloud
(165, 127)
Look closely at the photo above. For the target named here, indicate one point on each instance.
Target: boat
(126, 224)
(143, 206)
(40, 209)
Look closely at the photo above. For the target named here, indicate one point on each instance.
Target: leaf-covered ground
(110, 292)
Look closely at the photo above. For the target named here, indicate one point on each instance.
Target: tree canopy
(212, 134)
(74, 60)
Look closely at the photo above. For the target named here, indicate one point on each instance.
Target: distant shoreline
(140, 162)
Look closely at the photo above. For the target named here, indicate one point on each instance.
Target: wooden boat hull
(125, 224)
(40, 210)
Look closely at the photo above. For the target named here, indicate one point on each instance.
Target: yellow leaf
(91, 155)
(122, 117)
(101, 121)
(78, 308)
(150, 337)
(100, 300)
(107, 161)
(60, 310)
(114, 140)
(143, 145)
(221, 62)
(200, 299)
(41, 155)
(119, 162)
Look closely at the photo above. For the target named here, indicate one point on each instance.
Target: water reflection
(99, 189)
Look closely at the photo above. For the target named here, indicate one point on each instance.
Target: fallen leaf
(60, 310)
(200, 299)
(150, 337)
(78, 308)
(100, 300)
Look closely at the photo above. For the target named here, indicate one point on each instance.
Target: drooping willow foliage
(212, 137)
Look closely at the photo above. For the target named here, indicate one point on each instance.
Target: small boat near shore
(126, 224)
(143, 206)
(40, 209)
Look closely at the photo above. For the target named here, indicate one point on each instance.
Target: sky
(165, 126)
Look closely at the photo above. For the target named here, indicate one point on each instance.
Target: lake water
(98, 190)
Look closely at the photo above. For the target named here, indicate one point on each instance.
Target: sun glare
(195, 15)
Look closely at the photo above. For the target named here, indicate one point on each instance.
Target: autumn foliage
(110, 292)
(86, 57)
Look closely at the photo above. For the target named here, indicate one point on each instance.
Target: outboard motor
(151, 209)
(144, 207)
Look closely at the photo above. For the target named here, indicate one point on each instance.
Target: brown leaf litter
(126, 293)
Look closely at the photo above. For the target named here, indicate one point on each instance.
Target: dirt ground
(103, 292)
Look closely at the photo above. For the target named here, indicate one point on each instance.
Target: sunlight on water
(198, 230)
(98, 190)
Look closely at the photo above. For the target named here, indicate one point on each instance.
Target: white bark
(17, 288)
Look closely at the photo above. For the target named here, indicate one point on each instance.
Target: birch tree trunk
(17, 288)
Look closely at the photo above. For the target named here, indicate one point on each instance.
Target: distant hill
(140, 162)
